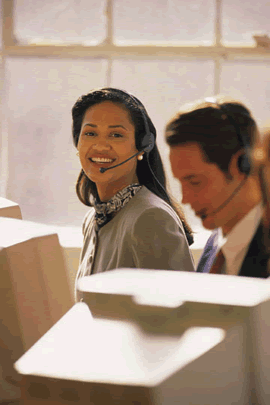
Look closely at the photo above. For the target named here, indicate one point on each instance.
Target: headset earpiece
(244, 164)
(148, 142)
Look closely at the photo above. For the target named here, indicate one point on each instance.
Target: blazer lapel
(255, 262)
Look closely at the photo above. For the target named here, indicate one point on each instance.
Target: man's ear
(233, 168)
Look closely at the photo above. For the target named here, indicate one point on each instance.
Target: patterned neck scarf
(106, 210)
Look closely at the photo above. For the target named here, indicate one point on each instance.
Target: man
(210, 145)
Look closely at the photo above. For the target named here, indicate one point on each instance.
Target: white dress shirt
(236, 243)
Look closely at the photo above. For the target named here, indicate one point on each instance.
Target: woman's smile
(101, 161)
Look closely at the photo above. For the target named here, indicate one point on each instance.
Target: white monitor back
(155, 337)
(9, 209)
(34, 288)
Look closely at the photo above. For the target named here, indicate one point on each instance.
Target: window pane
(162, 21)
(248, 81)
(43, 166)
(163, 86)
(66, 21)
(241, 19)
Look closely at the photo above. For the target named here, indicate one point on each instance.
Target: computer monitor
(156, 337)
(34, 289)
(9, 209)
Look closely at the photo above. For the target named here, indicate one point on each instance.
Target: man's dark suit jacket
(255, 261)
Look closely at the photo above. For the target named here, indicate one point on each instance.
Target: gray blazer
(146, 233)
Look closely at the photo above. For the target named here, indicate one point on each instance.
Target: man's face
(204, 186)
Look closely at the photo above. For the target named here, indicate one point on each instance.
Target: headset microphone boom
(149, 138)
(226, 202)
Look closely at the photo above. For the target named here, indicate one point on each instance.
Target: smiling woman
(108, 137)
(133, 222)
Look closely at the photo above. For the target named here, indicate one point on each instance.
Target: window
(165, 52)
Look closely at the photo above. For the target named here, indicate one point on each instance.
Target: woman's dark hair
(150, 170)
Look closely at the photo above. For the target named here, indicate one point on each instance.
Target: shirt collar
(105, 211)
(239, 238)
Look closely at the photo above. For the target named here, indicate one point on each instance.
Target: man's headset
(244, 160)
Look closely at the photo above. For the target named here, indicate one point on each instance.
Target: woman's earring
(140, 157)
(77, 154)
